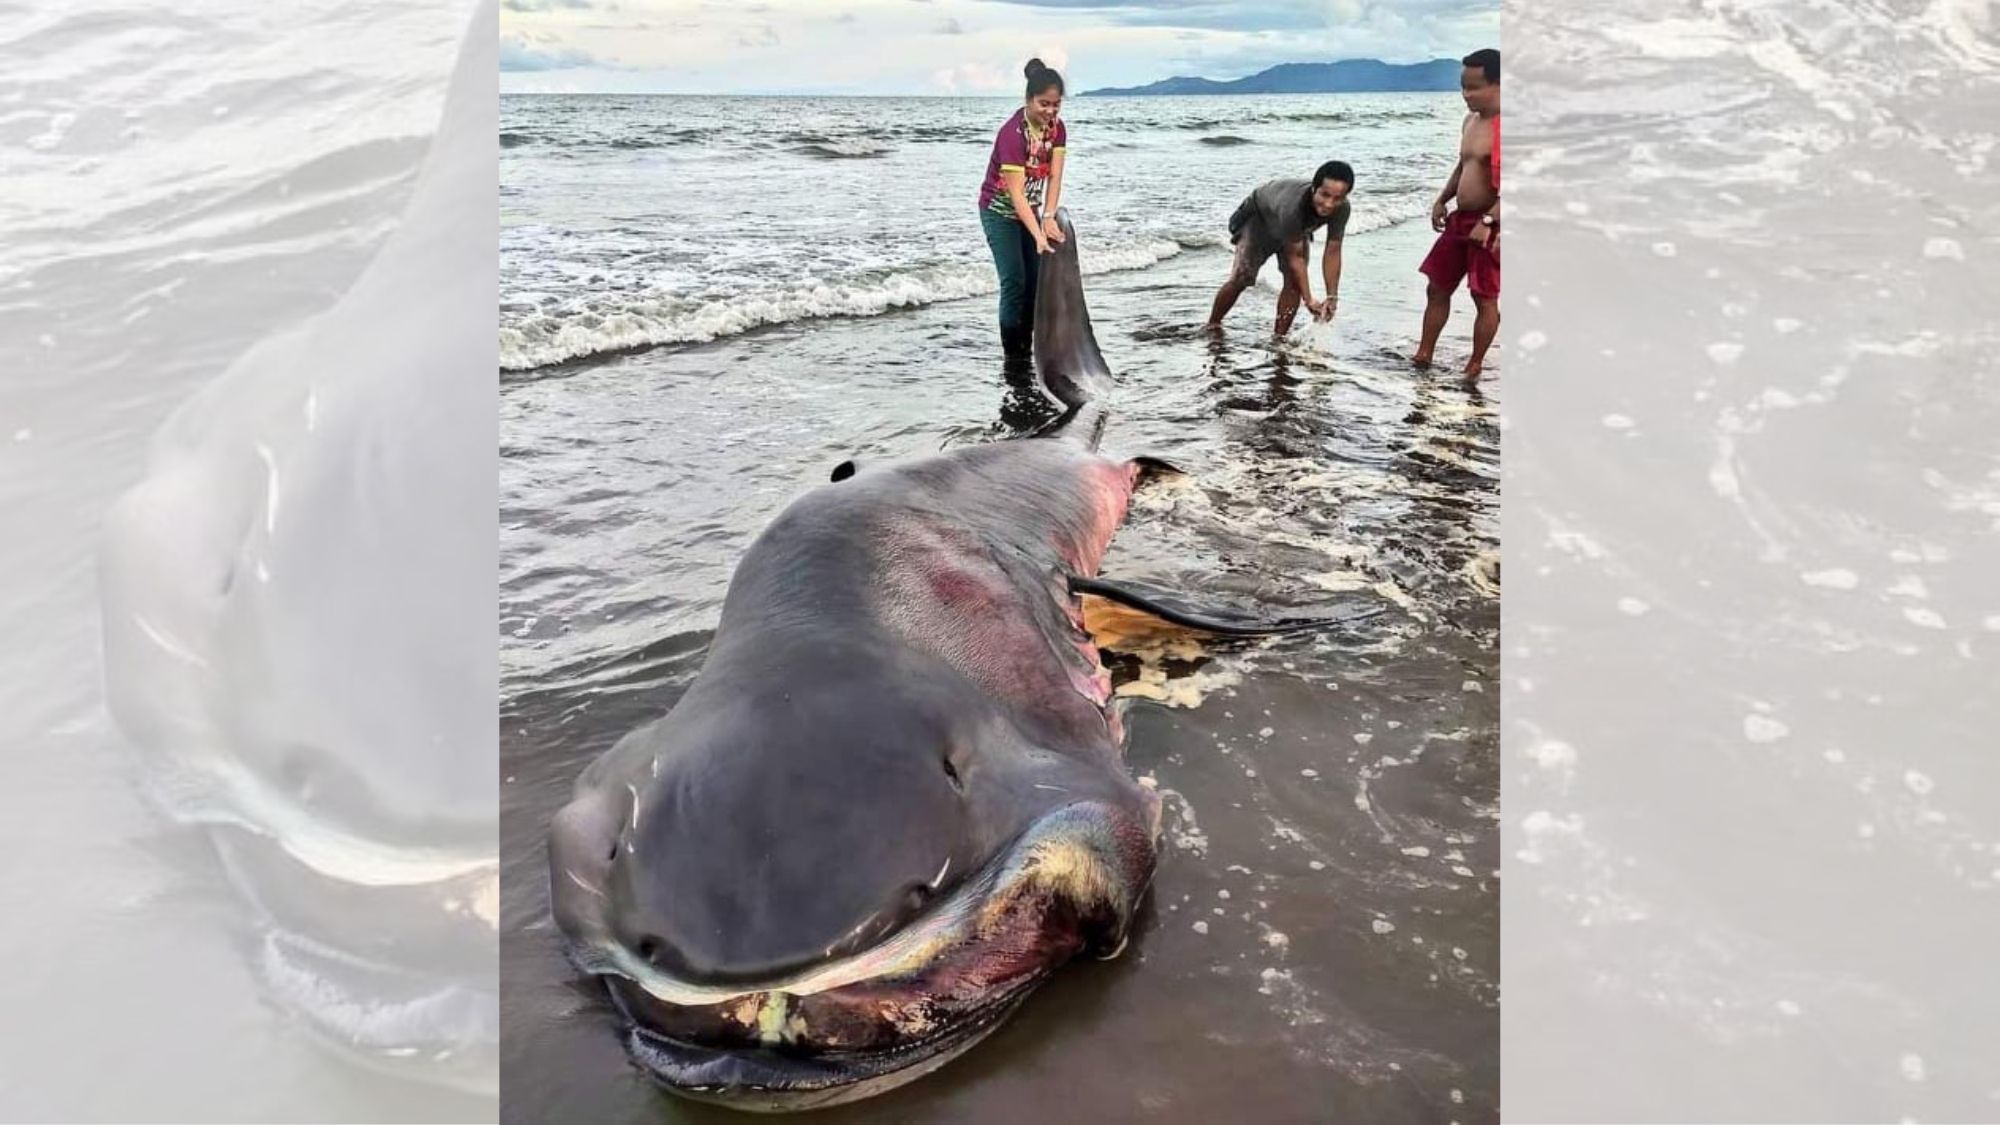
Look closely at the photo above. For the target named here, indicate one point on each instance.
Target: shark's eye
(951, 771)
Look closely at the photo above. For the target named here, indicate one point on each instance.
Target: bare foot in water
(1473, 369)
(1421, 359)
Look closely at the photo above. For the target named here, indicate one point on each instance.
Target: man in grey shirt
(1279, 218)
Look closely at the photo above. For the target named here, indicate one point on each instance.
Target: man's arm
(1487, 233)
(1445, 196)
(1295, 269)
(1450, 185)
(1329, 264)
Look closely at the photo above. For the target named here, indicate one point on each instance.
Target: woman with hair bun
(1018, 199)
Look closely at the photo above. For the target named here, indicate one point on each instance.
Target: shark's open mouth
(851, 1028)
(389, 973)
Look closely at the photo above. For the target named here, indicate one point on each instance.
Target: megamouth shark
(894, 800)
(290, 639)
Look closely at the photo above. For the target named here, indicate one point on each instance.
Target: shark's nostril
(951, 772)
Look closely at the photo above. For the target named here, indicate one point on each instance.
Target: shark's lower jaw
(891, 1014)
(397, 978)
(385, 1017)
(774, 1079)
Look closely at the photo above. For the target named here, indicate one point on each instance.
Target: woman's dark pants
(1015, 257)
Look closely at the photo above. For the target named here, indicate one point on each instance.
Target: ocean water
(635, 221)
(1753, 809)
(1321, 942)
(185, 192)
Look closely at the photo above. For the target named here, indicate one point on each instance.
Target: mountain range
(1348, 76)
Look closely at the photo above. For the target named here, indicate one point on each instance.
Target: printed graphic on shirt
(1022, 148)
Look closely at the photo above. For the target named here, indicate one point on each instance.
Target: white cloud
(891, 46)
(525, 53)
(973, 78)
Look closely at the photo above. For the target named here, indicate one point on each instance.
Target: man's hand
(1437, 215)
(1051, 232)
(1041, 242)
(1324, 311)
(1481, 234)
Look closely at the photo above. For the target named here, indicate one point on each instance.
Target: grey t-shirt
(1284, 212)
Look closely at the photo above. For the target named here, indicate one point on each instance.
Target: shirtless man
(1469, 245)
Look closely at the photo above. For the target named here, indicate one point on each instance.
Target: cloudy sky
(955, 46)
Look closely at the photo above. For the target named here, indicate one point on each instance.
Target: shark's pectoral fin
(1221, 623)
(1152, 468)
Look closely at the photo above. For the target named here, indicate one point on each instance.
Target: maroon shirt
(1013, 150)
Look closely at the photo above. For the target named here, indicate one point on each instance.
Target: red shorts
(1455, 256)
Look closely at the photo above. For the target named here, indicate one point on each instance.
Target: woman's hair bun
(1034, 67)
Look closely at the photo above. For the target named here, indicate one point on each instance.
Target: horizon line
(932, 94)
(1101, 91)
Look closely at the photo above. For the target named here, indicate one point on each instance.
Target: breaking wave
(608, 323)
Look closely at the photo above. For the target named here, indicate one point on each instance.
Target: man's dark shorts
(1254, 245)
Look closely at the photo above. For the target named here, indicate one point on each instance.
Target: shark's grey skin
(894, 800)
(901, 729)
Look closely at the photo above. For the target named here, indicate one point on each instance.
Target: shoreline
(1186, 258)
